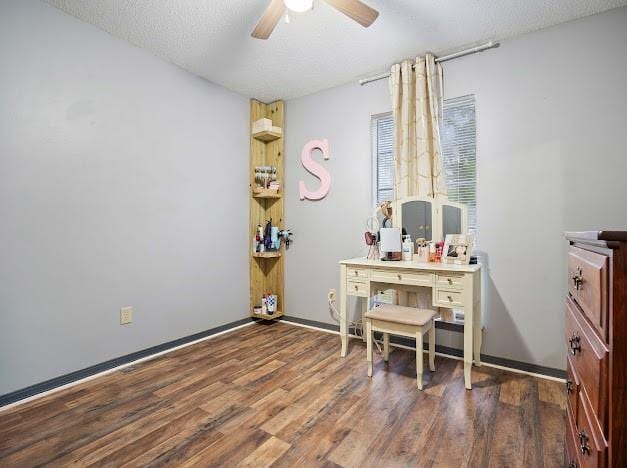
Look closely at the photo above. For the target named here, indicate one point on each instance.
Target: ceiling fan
(354, 9)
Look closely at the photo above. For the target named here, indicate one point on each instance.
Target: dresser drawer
(588, 285)
(588, 356)
(448, 298)
(356, 288)
(401, 277)
(449, 281)
(356, 273)
(571, 449)
(590, 445)
(572, 386)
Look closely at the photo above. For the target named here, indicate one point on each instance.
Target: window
(458, 133)
(459, 153)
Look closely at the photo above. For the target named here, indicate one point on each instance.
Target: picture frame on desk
(457, 249)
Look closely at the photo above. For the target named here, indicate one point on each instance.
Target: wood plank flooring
(280, 395)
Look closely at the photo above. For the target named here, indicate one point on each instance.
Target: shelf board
(266, 254)
(277, 314)
(266, 193)
(267, 135)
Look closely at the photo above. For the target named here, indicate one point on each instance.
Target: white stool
(403, 321)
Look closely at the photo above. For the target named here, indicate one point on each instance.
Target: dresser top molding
(608, 239)
(410, 265)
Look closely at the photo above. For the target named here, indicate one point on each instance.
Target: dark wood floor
(280, 395)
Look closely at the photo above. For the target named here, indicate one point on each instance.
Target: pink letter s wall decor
(316, 169)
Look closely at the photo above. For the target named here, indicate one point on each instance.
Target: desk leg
(477, 332)
(468, 332)
(469, 321)
(343, 315)
(364, 309)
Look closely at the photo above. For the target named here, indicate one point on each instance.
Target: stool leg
(419, 358)
(386, 347)
(432, 347)
(369, 346)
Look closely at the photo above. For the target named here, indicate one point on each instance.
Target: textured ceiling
(318, 49)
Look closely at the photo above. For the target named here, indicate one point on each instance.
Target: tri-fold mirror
(430, 218)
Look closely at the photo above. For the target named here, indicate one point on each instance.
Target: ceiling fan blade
(269, 20)
(355, 10)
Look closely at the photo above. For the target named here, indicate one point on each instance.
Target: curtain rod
(454, 55)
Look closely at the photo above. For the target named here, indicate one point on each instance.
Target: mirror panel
(416, 218)
(451, 220)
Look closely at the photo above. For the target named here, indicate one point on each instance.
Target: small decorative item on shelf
(271, 302)
(265, 176)
(457, 249)
(265, 125)
(257, 310)
(285, 236)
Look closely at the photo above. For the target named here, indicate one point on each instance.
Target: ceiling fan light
(299, 6)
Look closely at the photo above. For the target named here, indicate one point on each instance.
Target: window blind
(459, 153)
(383, 145)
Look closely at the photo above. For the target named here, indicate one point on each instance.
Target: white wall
(551, 115)
(123, 181)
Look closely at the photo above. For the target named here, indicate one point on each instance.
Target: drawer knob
(450, 281)
(575, 343)
(399, 276)
(583, 442)
(450, 298)
(356, 273)
(569, 386)
(578, 279)
(356, 287)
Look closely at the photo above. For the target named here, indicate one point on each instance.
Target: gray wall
(123, 181)
(552, 156)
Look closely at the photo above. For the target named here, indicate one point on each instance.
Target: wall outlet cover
(126, 315)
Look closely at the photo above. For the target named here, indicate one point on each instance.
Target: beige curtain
(416, 91)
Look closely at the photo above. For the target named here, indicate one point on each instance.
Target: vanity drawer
(590, 445)
(356, 288)
(588, 356)
(448, 298)
(356, 273)
(588, 285)
(449, 281)
(401, 277)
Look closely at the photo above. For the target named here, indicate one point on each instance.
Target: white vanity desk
(453, 287)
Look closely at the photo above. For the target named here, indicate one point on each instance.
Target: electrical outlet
(126, 315)
(331, 295)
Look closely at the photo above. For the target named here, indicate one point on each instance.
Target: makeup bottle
(407, 248)
(432, 251)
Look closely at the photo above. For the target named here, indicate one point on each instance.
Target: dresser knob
(399, 276)
(575, 343)
(450, 298)
(450, 281)
(583, 442)
(569, 386)
(578, 279)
